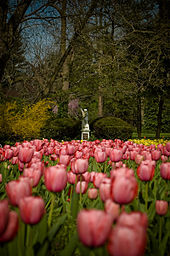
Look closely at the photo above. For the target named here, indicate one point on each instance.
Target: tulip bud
(16, 190)
(12, 227)
(116, 155)
(112, 209)
(4, 214)
(80, 166)
(31, 209)
(55, 178)
(165, 170)
(92, 193)
(145, 171)
(93, 227)
(25, 154)
(81, 187)
(161, 207)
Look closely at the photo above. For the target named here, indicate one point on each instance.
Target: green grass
(151, 135)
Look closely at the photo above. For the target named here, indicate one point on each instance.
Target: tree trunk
(159, 117)
(65, 69)
(139, 118)
(100, 105)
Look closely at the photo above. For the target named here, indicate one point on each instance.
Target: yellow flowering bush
(26, 121)
(148, 142)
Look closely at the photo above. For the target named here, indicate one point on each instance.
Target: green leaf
(56, 227)
(74, 204)
(43, 249)
(69, 249)
(84, 251)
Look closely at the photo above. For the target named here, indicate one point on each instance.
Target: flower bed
(85, 198)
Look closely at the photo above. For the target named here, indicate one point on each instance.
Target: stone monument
(85, 130)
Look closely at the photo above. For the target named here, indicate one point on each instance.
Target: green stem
(146, 196)
(80, 189)
(160, 230)
(51, 209)
(29, 236)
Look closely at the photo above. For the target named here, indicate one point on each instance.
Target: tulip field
(85, 198)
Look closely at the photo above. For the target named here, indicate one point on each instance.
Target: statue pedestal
(85, 132)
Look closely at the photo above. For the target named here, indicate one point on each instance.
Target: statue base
(85, 132)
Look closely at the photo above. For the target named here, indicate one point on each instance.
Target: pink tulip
(25, 154)
(123, 189)
(164, 158)
(98, 178)
(64, 159)
(0, 177)
(167, 146)
(4, 215)
(86, 176)
(81, 187)
(156, 154)
(31, 209)
(138, 159)
(71, 177)
(33, 174)
(165, 170)
(55, 178)
(112, 209)
(145, 171)
(93, 227)
(100, 156)
(116, 155)
(11, 229)
(105, 189)
(70, 149)
(92, 193)
(161, 207)
(16, 190)
(128, 237)
(8, 154)
(133, 154)
(80, 166)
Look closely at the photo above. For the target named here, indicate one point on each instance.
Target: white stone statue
(85, 124)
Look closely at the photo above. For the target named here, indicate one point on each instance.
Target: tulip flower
(80, 166)
(100, 156)
(64, 159)
(165, 170)
(31, 209)
(123, 188)
(128, 237)
(25, 154)
(112, 209)
(4, 215)
(71, 177)
(12, 227)
(105, 189)
(55, 178)
(98, 178)
(33, 174)
(17, 189)
(161, 207)
(8, 154)
(156, 154)
(167, 146)
(116, 155)
(145, 171)
(93, 227)
(92, 193)
(81, 187)
(0, 177)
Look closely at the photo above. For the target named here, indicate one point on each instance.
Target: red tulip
(4, 215)
(16, 190)
(55, 178)
(161, 207)
(165, 170)
(25, 154)
(116, 155)
(93, 227)
(92, 193)
(71, 177)
(12, 227)
(145, 171)
(128, 237)
(31, 209)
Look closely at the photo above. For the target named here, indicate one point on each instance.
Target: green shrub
(62, 129)
(112, 128)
